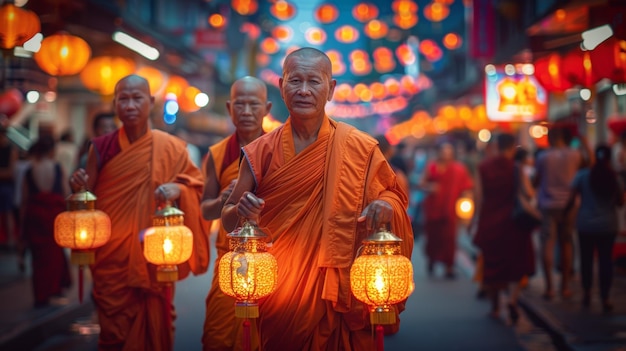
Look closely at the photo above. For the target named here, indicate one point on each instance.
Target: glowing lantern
(245, 7)
(404, 6)
(381, 277)
(247, 273)
(364, 12)
(282, 33)
(168, 242)
(549, 73)
(102, 73)
(326, 13)
(452, 41)
(378, 90)
(283, 10)
(577, 68)
(336, 62)
(346, 34)
(62, 54)
(155, 78)
(82, 228)
(376, 29)
(392, 86)
(609, 60)
(269, 46)
(217, 21)
(383, 60)
(187, 101)
(436, 12)
(176, 85)
(342, 92)
(315, 36)
(464, 208)
(17, 25)
(405, 20)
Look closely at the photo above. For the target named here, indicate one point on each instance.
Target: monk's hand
(250, 206)
(167, 192)
(376, 214)
(78, 180)
(224, 195)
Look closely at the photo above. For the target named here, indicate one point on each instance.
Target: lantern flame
(167, 246)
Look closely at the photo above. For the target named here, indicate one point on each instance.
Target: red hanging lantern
(577, 68)
(102, 73)
(62, 54)
(609, 60)
(548, 71)
(17, 25)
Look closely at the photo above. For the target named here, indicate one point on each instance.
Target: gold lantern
(168, 242)
(62, 54)
(101, 74)
(82, 228)
(381, 277)
(17, 25)
(247, 272)
(464, 208)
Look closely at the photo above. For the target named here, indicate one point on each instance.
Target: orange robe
(312, 202)
(222, 331)
(131, 304)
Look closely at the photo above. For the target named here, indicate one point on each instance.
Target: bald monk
(247, 106)
(318, 188)
(131, 171)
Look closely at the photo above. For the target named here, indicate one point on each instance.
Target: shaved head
(136, 81)
(249, 82)
(311, 53)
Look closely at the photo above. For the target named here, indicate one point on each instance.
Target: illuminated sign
(512, 94)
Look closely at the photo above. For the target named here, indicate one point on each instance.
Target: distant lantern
(405, 20)
(404, 6)
(383, 59)
(315, 36)
(381, 277)
(378, 90)
(269, 46)
(101, 74)
(83, 229)
(577, 68)
(436, 12)
(549, 73)
(176, 85)
(155, 78)
(365, 12)
(346, 34)
(282, 33)
(62, 54)
(336, 61)
(452, 41)
(217, 21)
(392, 86)
(465, 208)
(342, 92)
(187, 101)
(245, 7)
(326, 13)
(17, 25)
(376, 29)
(283, 10)
(405, 55)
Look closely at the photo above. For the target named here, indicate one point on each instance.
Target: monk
(247, 106)
(131, 171)
(318, 188)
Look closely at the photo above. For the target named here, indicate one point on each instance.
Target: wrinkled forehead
(312, 65)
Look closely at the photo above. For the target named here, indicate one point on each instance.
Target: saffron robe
(131, 304)
(312, 202)
(222, 331)
(439, 210)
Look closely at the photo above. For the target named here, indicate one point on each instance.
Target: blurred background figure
(103, 123)
(445, 180)
(398, 165)
(67, 152)
(43, 197)
(506, 248)
(601, 193)
(8, 157)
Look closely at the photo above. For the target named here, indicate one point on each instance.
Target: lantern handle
(358, 251)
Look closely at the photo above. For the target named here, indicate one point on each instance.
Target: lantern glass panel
(169, 245)
(248, 276)
(82, 229)
(380, 280)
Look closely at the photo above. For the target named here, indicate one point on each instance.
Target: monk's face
(306, 86)
(248, 105)
(133, 102)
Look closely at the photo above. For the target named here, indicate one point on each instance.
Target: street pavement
(442, 314)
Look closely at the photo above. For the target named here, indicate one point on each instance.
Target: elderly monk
(247, 106)
(131, 171)
(318, 188)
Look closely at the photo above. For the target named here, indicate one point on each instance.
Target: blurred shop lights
(136, 45)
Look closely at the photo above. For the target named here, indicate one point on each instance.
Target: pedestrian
(8, 159)
(318, 187)
(247, 106)
(445, 181)
(506, 248)
(556, 168)
(396, 163)
(43, 196)
(132, 171)
(103, 123)
(67, 152)
(601, 193)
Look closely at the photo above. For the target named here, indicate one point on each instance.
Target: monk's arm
(212, 200)
(86, 178)
(230, 211)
